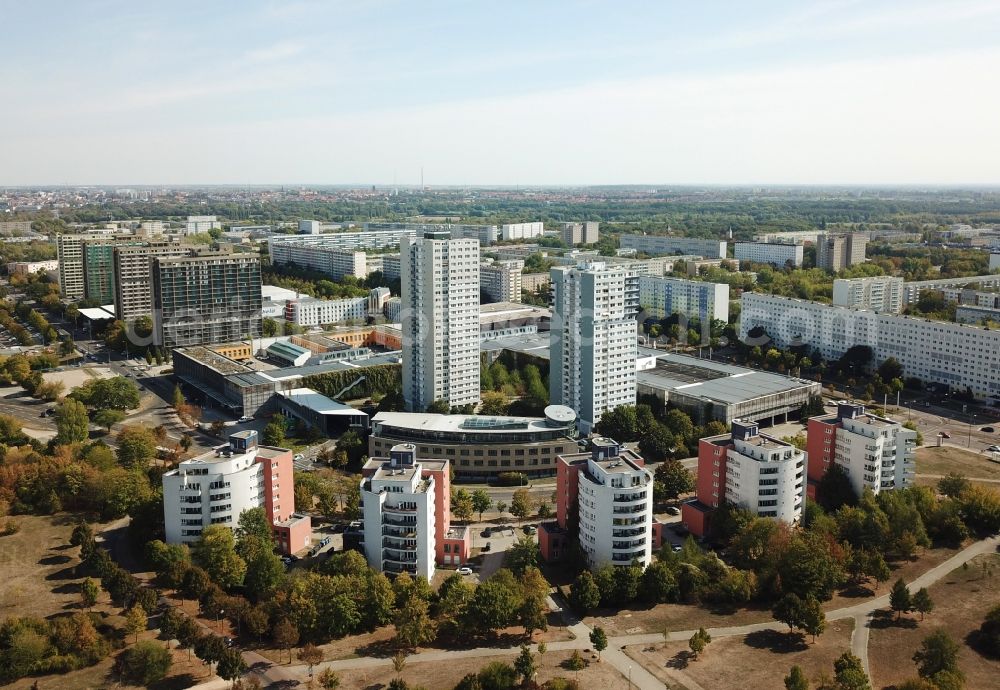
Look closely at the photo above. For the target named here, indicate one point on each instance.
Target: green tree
(253, 532)
(494, 604)
(108, 418)
(72, 423)
(522, 554)
(481, 502)
(495, 403)
(953, 484)
(89, 592)
(584, 593)
(231, 665)
(937, 653)
(136, 447)
(699, 641)
(215, 551)
(274, 432)
(599, 639)
(796, 679)
(136, 621)
(439, 407)
(899, 598)
(657, 443)
(414, 626)
(525, 664)
(789, 610)
(671, 479)
(813, 618)
(210, 649)
(117, 393)
(521, 504)
(177, 400)
(264, 574)
(849, 673)
(462, 506)
(922, 602)
(145, 663)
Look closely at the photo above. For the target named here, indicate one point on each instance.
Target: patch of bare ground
(960, 602)
(435, 675)
(673, 617)
(934, 460)
(758, 660)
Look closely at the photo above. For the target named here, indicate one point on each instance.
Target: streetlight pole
(218, 619)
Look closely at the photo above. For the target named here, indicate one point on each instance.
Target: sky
(544, 92)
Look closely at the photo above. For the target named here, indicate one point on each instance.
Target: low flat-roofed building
(322, 413)
(288, 354)
(481, 447)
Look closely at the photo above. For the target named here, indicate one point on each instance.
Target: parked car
(244, 419)
(987, 429)
(464, 570)
(299, 456)
(487, 532)
(993, 449)
(675, 547)
(672, 510)
(530, 529)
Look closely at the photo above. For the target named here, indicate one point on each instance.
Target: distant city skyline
(529, 94)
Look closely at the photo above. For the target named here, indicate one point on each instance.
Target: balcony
(628, 545)
(399, 544)
(391, 567)
(405, 522)
(403, 508)
(630, 498)
(633, 532)
(626, 558)
(631, 509)
(402, 557)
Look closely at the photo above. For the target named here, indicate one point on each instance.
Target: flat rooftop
(715, 381)
(220, 363)
(764, 441)
(497, 310)
(317, 402)
(428, 421)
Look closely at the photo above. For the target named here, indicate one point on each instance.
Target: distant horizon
(657, 186)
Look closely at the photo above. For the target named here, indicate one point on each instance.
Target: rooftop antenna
(421, 178)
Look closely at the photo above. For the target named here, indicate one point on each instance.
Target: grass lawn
(933, 460)
(757, 660)
(960, 602)
(434, 675)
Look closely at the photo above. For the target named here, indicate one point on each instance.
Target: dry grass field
(941, 461)
(960, 602)
(758, 660)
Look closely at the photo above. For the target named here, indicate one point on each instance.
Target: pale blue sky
(538, 92)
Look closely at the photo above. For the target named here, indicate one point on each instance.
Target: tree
(285, 636)
(89, 591)
(495, 403)
(849, 673)
(575, 661)
(253, 533)
(813, 618)
(937, 653)
(310, 655)
(108, 418)
(699, 641)
(672, 479)
(145, 663)
(922, 602)
(525, 664)
(187, 633)
(274, 432)
(414, 625)
(522, 554)
(264, 573)
(177, 400)
(953, 484)
(481, 502)
(657, 443)
(599, 639)
(521, 504)
(72, 423)
(117, 393)
(988, 635)
(584, 593)
(899, 598)
(398, 663)
(796, 679)
(170, 623)
(890, 369)
(494, 604)
(789, 610)
(835, 489)
(136, 621)
(136, 447)
(439, 407)
(461, 505)
(209, 648)
(215, 551)
(328, 679)
(231, 665)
